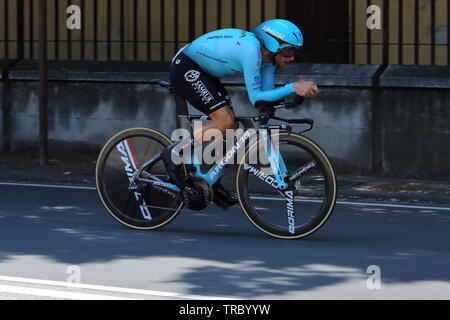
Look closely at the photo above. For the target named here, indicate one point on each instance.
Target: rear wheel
(148, 207)
(304, 206)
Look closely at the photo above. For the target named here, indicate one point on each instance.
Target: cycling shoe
(222, 197)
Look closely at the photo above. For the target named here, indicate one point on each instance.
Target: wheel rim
(266, 208)
(135, 208)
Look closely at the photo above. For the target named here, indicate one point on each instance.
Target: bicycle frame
(276, 161)
(184, 121)
(215, 173)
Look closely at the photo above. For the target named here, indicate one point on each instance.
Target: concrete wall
(1, 114)
(407, 130)
(416, 121)
(3, 102)
(342, 123)
(416, 132)
(89, 113)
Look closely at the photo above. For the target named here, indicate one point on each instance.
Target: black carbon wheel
(149, 207)
(307, 203)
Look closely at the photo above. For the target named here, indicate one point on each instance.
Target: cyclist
(195, 73)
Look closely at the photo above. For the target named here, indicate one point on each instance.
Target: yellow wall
(359, 50)
(155, 5)
(408, 47)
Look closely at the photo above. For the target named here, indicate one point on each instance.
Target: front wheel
(309, 199)
(148, 207)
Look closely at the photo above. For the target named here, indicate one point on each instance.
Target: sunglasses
(288, 52)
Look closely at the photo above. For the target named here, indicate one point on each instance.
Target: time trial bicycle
(285, 182)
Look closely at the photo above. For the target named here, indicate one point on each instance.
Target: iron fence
(412, 31)
(122, 29)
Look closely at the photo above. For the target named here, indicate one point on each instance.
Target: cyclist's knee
(229, 122)
(224, 119)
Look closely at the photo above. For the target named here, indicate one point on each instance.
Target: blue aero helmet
(278, 34)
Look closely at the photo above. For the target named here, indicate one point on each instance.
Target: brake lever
(310, 122)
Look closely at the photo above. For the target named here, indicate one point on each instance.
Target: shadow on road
(236, 259)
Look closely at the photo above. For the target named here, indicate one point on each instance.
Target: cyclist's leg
(208, 95)
(204, 93)
(172, 160)
(221, 120)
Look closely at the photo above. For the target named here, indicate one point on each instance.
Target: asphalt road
(54, 239)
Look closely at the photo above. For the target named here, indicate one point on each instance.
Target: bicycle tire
(113, 170)
(255, 213)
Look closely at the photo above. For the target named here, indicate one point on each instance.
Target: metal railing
(408, 36)
(414, 32)
(123, 29)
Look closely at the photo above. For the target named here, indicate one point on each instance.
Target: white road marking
(370, 204)
(109, 289)
(54, 186)
(404, 206)
(56, 294)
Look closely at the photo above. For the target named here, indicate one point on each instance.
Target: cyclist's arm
(253, 82)
(268, 77)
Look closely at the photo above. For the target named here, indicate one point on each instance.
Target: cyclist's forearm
(272, 95)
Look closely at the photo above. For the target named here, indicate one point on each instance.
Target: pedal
(221, 203)
(223, 198)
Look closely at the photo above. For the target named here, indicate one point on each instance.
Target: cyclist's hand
(305, 88)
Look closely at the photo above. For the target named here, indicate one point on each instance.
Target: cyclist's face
(281, 61)
(286, 55)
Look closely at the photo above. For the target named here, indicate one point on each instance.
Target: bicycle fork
(281, 173)
(283, 179)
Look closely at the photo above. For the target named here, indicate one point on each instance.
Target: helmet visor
(288, 52)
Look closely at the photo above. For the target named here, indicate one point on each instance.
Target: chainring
(200, 196)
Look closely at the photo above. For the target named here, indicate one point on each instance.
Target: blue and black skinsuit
(197, 68)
